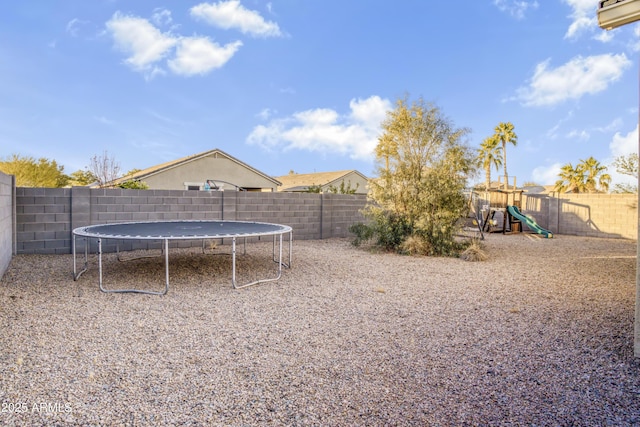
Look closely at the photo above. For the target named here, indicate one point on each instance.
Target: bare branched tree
(105, 168)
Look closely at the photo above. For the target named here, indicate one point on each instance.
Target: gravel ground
(540, 334)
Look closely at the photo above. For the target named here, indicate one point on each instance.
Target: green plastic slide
(515, 212)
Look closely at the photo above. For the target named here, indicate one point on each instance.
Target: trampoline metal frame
(87, 235)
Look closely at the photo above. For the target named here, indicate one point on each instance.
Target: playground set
(499, 211)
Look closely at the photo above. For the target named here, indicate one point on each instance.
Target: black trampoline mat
(181, 230)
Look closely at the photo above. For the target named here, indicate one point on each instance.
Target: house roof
(301, 181)
(142, 174)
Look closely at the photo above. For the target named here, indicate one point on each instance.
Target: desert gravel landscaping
(539, 334)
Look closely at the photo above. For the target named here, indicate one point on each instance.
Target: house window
(193, 186)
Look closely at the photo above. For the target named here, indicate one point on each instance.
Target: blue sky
(303, 84)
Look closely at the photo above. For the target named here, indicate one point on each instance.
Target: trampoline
(166, 231)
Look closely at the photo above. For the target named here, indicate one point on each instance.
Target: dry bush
(415, 245)
(475, 252)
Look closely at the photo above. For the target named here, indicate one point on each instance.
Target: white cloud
(516, 8)
(615, 124)
(288, 90)
(624, 144)
(231, 14)
(161, 16)
(584, 17)
(73, 26)
(265, 114)
(579, 76)
(604, 36)
(546, 175)
(635, 43)
(324, 130)
(147, 47)
(104, 120)
(580, 135)
(143, 42)
(199, 55)
(553, 132)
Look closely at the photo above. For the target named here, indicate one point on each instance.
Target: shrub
(418, 199)
(474, 252)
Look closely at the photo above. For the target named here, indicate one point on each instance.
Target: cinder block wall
(537, 207)
(7, 225)
(598, 215)
(339, 211)
(593, 215)
(46, 217)
(43, 220)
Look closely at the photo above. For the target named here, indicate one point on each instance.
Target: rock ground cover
(539, 334)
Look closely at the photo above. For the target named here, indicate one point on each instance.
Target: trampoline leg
(76, 274)
(166, 266)
(279, 261)
(100, 265)
(286, 265)
(290, 246)
(233, 262)
(137, 291)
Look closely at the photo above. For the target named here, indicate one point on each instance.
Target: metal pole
(636, 341)
(166, 264)
(73, 251)
(100, 261)
(233, 261)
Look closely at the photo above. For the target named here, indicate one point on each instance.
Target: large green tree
(505, 134)
(30, 172)
(82, 177)
(489, 157)
(423, 163)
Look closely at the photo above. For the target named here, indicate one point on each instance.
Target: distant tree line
(102, 171)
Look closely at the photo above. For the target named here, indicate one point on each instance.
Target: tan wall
(198, 171)
(594, 215)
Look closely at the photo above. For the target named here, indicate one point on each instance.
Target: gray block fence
(46, 217)
(40, 220)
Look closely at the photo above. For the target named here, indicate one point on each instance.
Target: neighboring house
(211, 170)
(301, 182)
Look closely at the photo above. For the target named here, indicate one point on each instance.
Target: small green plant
(314, 189)
(343, 189)
(132, 184)
(363, 233)
(387, 231)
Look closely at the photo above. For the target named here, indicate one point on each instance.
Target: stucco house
(301, 182)
(211, 170)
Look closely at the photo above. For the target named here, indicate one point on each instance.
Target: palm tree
(595, 178)
(587, 177)
(489, 155)
(505, 135)
(571, 179)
